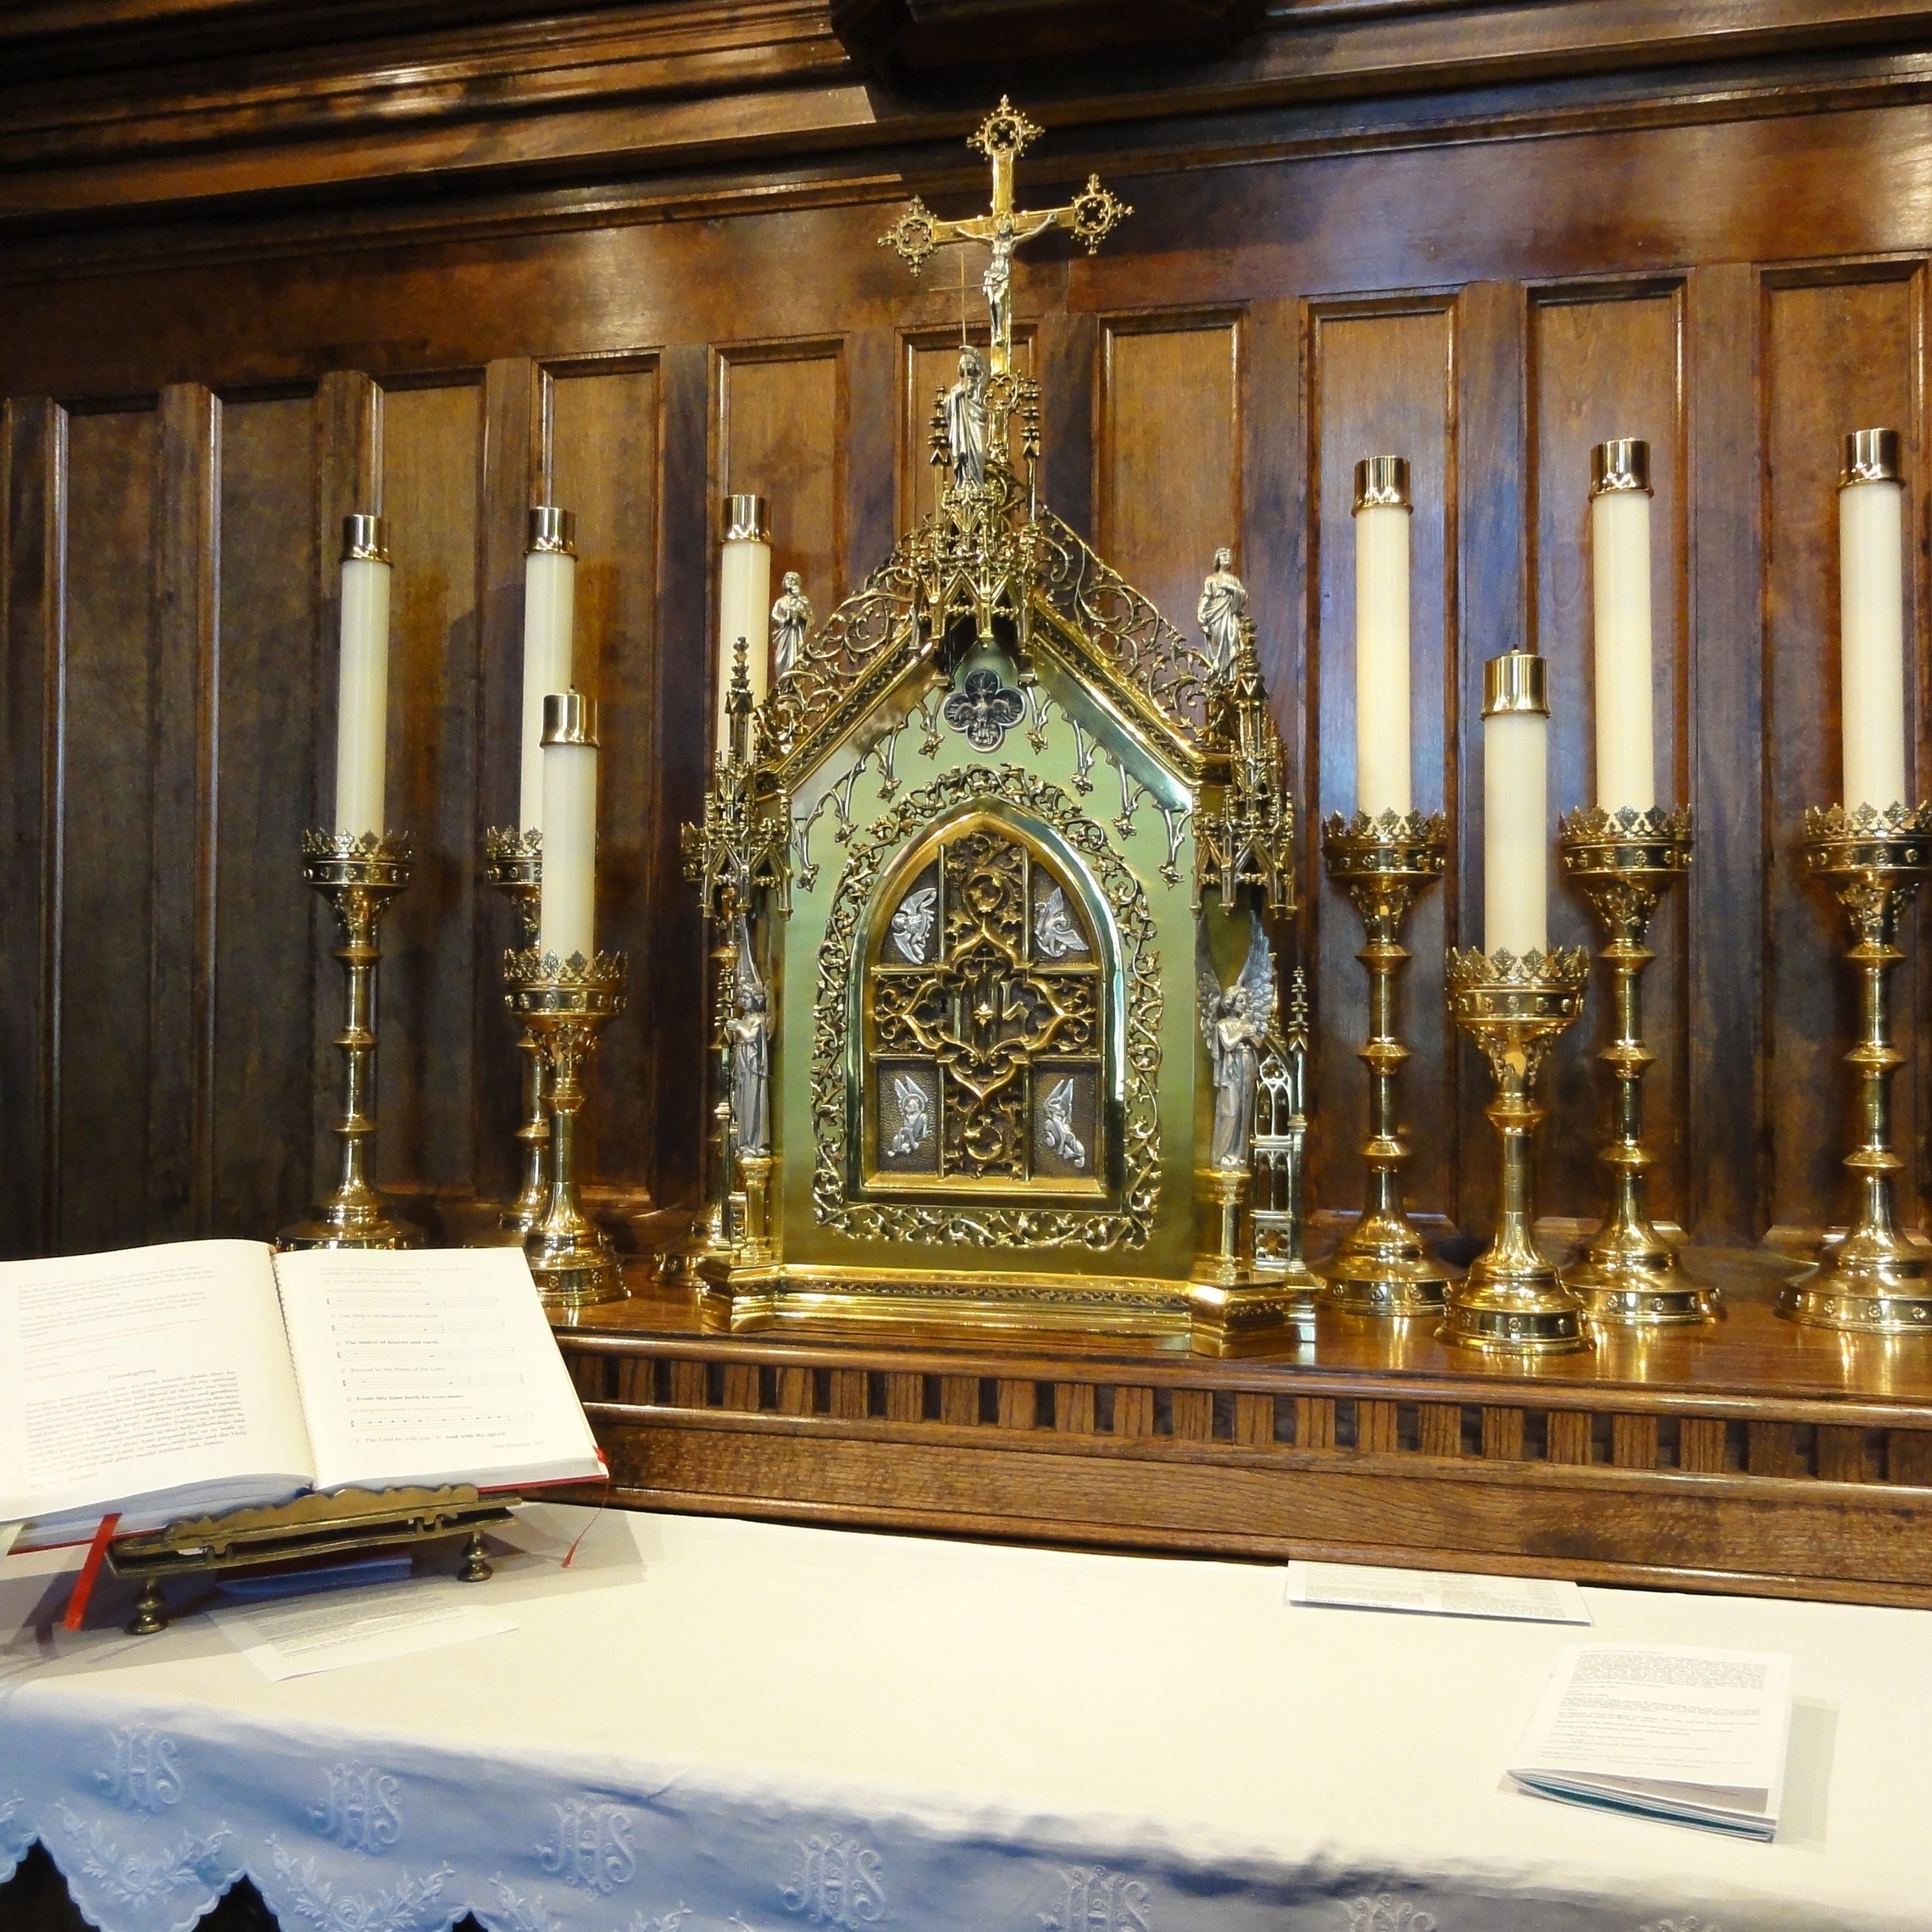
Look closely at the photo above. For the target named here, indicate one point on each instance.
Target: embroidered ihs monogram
(1384, 1914)
(838, 1882)
(593, 1847)
(360, 1813)
(1097, 1900)
(144, 1775)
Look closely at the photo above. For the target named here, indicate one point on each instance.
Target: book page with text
(155, 1380)
(432, 1366)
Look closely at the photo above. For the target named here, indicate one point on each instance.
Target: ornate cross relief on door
(987, 1035)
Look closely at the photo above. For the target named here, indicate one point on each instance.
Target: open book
(205, 1376)
(1696, 1736)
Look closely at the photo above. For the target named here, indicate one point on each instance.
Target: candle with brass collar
(550, 604)
(1382, 512)
(1620, 594)
(1871, 592)
(566, 919)
(362, 709)
(1516, 734)
(744, 601)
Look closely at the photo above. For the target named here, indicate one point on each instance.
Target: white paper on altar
(1436, 1593)
(341, 1629)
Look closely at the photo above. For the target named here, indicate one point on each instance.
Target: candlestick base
(1624, 861)
(358, 877)
(1514, 1302)
(565, 1003)
(1382, 1266)
(1230, 1303)
(1878, 1280)
(512, 861)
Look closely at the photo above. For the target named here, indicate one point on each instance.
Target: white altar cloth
(725, 1725)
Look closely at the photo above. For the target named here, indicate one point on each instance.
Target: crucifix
(1089, 217)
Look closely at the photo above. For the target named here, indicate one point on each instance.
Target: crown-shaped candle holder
(1513, 1302)
(1382, 1266)
(1877, 1280)
(512, 861)
(358, 876)
(1624, 861)
(566, 1003)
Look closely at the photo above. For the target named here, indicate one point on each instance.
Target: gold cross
(1090, 216)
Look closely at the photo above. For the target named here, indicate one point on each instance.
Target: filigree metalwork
(1246, 837)
(993, 930)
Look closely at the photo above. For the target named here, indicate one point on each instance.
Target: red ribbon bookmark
(97, 1554)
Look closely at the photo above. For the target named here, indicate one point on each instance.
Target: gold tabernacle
(990, 873)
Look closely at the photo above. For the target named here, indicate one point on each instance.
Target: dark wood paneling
(1603, 362)
(432, 448)
(265, 963)
(1382, 382)
(604, 465)
(101, 1117)
(1839, 352)
(1166, 452)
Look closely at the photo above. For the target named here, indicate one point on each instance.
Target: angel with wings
(915, 1118)
(1053, 930)
(912, 925)
(1056, 1124)
(1233, 1020)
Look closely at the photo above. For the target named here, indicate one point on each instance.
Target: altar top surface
(1749, 1353)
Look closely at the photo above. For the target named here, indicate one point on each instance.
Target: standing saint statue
(749, 1031)
(966, 418)
(1234, 1021)
(791, 619)
(1224, 604)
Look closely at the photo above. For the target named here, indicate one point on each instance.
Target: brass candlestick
(1382, 1266)
(358, 877)
(1625, 861)
(1514, 1302)
(1877, 1281)
(512, 861)
(565, 1003)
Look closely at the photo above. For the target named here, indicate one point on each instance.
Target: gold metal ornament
(1513, 1302)
(565, 1003)
(358, 876)
(512, 861)
(1876, 1280)
(1382, 1266)
(1624, 861)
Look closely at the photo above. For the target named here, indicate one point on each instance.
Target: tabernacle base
(1753, 1455)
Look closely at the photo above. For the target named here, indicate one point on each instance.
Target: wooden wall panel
(432, 456)
(265, 961)
(781, 435)
(1381, 380)
(1841, 351)
(103, 1038)
(1604, 363)
(1166, 452)
(604, 465)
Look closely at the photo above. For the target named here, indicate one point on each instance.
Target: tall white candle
(1620, 592)
(566, 903)
(549, 610)
(1382, 634)
(1871, 595)
(362, 699)
(1516, 732)
(744, 601)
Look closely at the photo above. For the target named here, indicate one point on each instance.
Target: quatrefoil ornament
(984, 710)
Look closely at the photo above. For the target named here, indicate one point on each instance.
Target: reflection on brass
(512, 861)
(1382, 483)
(309, 1528)
(565, 1003)
(553, 531)
(1515, 681)
(365, 539)
(1513, 1302)
(1382, 1266)
(1871, 456)
(1624, 861)
(1621, 463)
(358, 876)
(1876, 1280)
